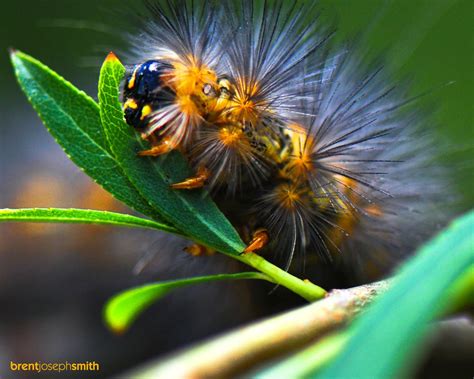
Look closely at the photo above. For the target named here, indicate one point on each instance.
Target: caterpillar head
(167, 98)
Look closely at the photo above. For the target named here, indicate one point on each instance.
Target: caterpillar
(313, 158)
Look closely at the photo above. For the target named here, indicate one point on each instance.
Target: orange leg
(197, 250)
(163, 147)
(155, 151)
(196, 181)
(260, 240)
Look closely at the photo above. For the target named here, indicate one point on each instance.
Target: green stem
(304, 288)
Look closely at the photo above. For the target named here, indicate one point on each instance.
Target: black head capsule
(145, 90)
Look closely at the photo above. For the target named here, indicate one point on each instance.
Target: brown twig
(242, 349)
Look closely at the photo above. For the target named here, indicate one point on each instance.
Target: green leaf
(73, 119)
(192, 212)
(384, 340)
(121, 310)
(80, 216)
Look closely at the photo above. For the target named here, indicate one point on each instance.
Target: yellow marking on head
(132, 80)
(130, 103)
(146, 110)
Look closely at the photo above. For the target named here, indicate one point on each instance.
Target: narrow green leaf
(384, 340)
(73, 119)
(192, 212)
(80, 216)
(122, 309)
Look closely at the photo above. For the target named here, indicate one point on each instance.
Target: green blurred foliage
(429, 42)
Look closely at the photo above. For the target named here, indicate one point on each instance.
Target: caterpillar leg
(193, 182)
(160, 148)
(156, 151)
(260, 240)
(197, 250)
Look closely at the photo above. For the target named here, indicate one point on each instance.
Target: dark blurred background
(54, 279)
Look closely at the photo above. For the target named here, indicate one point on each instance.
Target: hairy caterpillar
(311, 156)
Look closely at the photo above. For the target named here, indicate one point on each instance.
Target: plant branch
(313, 358)
(240, 350)
(309, 360)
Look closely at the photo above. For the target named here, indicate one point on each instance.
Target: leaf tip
(116, 325)
(111, 58)
(12, 51)
(14, 56)
(118, 330)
